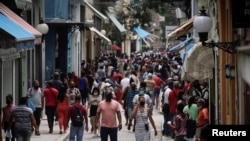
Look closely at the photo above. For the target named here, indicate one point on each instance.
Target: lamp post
(202, 24)
(43, 28)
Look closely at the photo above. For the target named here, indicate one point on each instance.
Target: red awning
(115, 47)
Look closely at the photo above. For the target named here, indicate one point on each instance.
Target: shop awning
(180, 45)
(198, 63)
(115, 47)
(142, 33)
(119, 26)
(97, 13)
(21, 22)
(100, 34)
(182, 29)
(23, 40)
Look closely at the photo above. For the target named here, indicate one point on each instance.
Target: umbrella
(199, 63)
(116, 48)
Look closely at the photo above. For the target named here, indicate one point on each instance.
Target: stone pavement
(126, 135)
(123, 135)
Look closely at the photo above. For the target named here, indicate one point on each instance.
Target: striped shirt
(22, 118)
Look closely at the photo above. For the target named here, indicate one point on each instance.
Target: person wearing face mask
(109, 110)
(50, 99)
(93, 102)
(130, 95)
(205, 93)
(148, 100)
(6, 116)
(36, 93)
(203, 115)
(71, 92)
(142, 114)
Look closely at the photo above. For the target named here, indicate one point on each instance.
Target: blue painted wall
(50, 43)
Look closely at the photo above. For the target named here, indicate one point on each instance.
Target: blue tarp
(187, 48)
(181, 44)
(142, 33)
(24, 39)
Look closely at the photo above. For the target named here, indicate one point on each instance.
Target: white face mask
(95, 93)
(202, 87)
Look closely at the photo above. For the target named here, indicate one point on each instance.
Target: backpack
(77, 117)
(191, 127)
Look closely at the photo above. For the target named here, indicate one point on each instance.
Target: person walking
(50, 100)
(94, 100)
(109, 110)
(142, 114)
(78, 116)
(36, 93)
(179, 124)
(6, 116)
(72, 92)
(24, 121)
(63, 108)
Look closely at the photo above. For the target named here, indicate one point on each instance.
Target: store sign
(241, 13)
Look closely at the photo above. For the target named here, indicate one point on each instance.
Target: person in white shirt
(166, 129)
(125, 81)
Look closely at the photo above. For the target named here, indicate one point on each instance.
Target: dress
(140, 133)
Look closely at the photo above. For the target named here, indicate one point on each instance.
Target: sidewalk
(46, 136)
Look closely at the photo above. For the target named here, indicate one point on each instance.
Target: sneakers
(95, 136)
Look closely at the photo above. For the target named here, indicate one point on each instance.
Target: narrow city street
(128, 135)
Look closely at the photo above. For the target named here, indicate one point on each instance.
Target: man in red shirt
(203, 115)
(116, 75)
(158, 83)
(50, 99)
(172, 99)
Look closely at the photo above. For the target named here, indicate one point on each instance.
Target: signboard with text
(241, 13)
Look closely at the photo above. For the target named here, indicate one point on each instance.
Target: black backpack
(77, 117)
(191, 127)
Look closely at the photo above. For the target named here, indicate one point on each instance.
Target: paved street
(123, 135)
(126, 135)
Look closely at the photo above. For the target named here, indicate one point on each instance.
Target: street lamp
(202, 24)
(42, 27)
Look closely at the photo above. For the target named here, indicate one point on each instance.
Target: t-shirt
(192, 111)
(172, 99)
(108, 112)
(36, 95)
(22, 115)
(50, 95)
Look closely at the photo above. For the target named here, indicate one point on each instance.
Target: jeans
(50, 112)
(111, 132)
(23, 135)
(166, 128)
(76, 132)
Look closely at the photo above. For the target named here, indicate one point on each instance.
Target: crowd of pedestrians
(137, 84)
